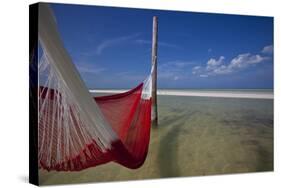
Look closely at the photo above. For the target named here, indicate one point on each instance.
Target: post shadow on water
(168, 149)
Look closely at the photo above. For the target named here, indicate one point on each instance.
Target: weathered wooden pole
(154, 115)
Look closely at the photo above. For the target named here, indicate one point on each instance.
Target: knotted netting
(77, 131)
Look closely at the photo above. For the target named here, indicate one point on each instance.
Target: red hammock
(76, 131)
(133, 130)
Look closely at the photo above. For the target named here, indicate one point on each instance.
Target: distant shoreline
(197, 93)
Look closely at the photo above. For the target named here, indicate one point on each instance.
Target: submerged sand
(195, 136)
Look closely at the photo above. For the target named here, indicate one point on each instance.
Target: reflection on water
(195, 136)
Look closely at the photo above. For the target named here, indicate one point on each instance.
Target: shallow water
(195, 136)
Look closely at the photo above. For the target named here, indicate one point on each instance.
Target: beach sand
(195, 136)
(250, 94)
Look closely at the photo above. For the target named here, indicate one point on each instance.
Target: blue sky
(111, 47)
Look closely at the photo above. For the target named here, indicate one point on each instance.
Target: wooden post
(154, 115)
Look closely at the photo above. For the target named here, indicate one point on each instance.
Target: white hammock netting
(77, 131)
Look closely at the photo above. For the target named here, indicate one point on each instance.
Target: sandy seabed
(195, 136)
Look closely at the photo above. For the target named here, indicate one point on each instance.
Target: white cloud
(244, 60)
(267, 49)
(223, 69)
(111, 42)
(213, 63)
(196, 70)
(197, 67)
(219, 67)
(173, 70)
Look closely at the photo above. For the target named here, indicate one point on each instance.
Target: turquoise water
(195, 136)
